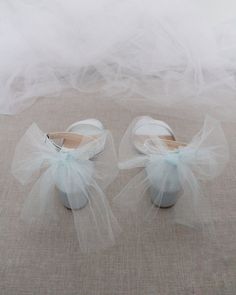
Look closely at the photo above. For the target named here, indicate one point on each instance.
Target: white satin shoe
(73, 168)
(79, 134)
(171, 172)
(145, 130)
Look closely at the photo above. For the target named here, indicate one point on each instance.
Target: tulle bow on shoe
(172, 170)
(72, 172)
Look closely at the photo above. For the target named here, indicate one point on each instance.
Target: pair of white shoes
(77, 165)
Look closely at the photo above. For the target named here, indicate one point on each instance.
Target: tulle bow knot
(155, 150)
(62, 158)
(173, 157)
(66, 157)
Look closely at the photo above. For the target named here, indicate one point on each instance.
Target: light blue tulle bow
(173, 173)
(72, 177)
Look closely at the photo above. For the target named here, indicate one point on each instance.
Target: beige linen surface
(165, 260)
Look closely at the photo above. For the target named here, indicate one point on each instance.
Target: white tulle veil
(74, 173)
(163, 52)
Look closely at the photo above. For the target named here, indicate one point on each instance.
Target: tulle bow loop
(45, 157)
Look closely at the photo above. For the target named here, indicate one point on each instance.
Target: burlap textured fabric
(165, 260)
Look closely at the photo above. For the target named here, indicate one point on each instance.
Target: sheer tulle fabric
(74, 173)
(159, 51)
(184, 171)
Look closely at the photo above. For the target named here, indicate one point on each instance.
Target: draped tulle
(159, 51)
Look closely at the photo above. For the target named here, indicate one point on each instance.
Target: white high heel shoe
(169, 170)
(79, 133)
(146, 129)
(74, 167)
